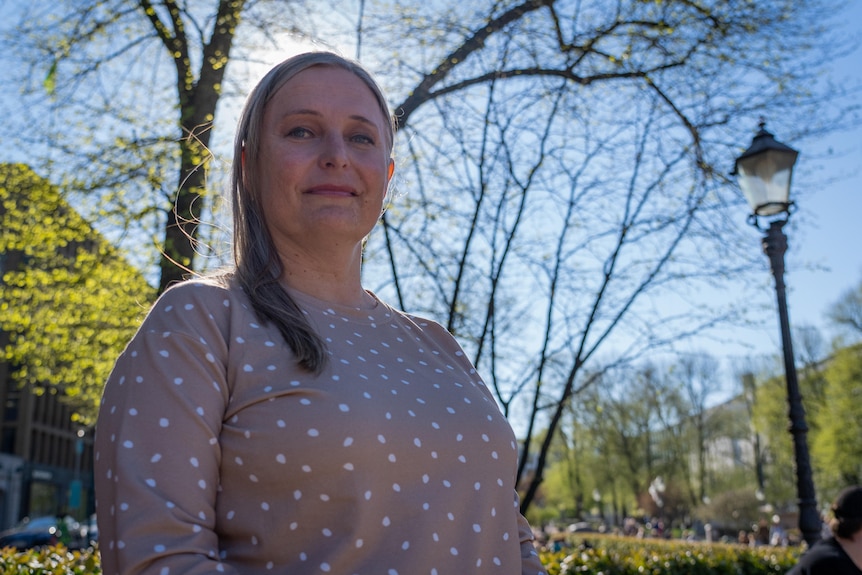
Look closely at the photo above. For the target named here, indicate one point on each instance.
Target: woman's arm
(530, 563)
(157, 450)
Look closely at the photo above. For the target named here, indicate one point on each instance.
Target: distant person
(840, 553)
(279, 418)
(777, 534)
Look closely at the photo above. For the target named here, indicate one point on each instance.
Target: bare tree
(698, 375)
(846, 312)
(565, 167)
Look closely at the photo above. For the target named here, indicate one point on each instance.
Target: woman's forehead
(323, 86)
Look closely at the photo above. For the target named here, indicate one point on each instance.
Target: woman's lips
(332, 190)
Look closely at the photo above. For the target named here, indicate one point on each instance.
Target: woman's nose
(333, 152)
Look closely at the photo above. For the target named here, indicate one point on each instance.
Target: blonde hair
(258, 266)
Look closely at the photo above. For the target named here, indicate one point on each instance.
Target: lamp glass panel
(765, 180)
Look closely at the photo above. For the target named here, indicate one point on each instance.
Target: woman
(840, 553)
(281, 418)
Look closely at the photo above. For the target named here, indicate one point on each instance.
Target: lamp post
(764, 172)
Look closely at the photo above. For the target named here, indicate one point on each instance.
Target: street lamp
(764, 171)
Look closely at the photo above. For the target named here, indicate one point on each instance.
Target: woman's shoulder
(200, 289)
(435, 331)
(198, 299)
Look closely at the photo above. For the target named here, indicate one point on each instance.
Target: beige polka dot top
(215, 453)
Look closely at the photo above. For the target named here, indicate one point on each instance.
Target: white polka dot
(313, 432)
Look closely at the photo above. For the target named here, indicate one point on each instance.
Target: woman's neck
(338, 283)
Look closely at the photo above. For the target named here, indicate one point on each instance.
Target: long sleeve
(157, 450)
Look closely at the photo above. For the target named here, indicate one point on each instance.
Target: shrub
(609, 555)
(49, 561)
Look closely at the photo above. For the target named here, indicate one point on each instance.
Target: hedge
(594, 555)
(609, 555)
(49, 561)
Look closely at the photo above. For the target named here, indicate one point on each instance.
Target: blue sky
(824, 257)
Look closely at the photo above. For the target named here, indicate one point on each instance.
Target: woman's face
(323, 162)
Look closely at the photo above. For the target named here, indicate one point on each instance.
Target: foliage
(770, 420)
(594, 554)
(732, 511)
(831, 389)
(621, 556)
(643, 440)
(49, 561)
(836, 449)
(68, 300)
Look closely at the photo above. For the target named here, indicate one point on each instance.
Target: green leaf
(50, 81)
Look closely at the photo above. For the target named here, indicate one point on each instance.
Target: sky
(824, 255)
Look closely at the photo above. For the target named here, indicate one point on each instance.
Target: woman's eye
(299, 133)
(363, 139)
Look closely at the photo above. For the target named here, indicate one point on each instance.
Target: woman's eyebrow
(310, 112)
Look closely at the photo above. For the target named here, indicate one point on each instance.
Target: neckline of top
(380, 312)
